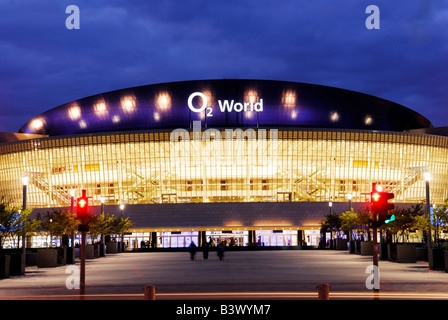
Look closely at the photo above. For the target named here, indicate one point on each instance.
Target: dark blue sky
(128, 43)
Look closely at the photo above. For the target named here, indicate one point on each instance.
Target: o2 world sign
(224, 105)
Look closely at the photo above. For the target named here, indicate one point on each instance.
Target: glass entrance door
(234, 238)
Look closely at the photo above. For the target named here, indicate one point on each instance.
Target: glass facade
(253, 165)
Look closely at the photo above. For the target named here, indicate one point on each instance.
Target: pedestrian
(220, 250)
(205, 250)
(193, 249)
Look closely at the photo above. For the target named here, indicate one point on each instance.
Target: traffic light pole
(82, 207)
(83, 228)
(375, 253)
(82, 273)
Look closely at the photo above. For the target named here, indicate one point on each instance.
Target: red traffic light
(82, 205)
(82, 202)
(380, 202)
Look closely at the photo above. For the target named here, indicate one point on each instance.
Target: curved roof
(227, 104)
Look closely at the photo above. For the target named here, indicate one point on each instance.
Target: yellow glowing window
(92, 167)
(360, 163)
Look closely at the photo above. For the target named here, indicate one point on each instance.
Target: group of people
(206, 248)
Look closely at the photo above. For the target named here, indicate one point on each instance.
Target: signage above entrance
(224, 105)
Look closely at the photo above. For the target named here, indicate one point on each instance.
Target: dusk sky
(123, 43)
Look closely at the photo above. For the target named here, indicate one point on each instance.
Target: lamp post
(349, 196)
(330, 205)
(72, 208)
(428, 208)
(72, 200)
(102, 205)
(25, 185)
(122, 234)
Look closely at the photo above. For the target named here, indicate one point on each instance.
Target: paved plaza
(124, 275)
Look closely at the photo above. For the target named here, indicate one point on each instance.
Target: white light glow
(368, 120)
(116, 119)
(100, 108)
(334, 116)
(163, 101)
(128, 103)
(74, 112)
(251, 96)
(293, 114)
(37, 124)
(289, 98)
(249, 114)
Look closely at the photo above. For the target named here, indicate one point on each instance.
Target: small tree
(7, 225)
(349, 221)
(15, 224)
(439, 223)
(100, 225)
(25, 224)
(406, 219)
(60, 223)
(119, 226)
(363, 221)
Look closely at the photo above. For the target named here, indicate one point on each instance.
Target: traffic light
(82, 205)
(380, 206)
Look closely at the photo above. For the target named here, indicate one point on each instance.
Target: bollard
(323, 292)
(150, 293)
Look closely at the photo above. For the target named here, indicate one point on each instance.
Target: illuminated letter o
(190, 101)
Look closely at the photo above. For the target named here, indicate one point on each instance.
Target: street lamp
(72, 200)
(330, 204)
(25, 184)
(122, 234)
(349, 196)
(428, 208)
(72, 208)
(102, 205)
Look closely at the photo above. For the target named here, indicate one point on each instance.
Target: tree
(60, 223)
(119, 225)
(100, 225)
(7, 227)
(349, 222)
(439, 222)
(406, 219)
(331, 222)
(25, 224)
(15, 224)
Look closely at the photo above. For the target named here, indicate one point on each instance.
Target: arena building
(246, 160)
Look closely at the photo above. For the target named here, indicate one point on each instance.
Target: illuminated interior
(146, 167)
